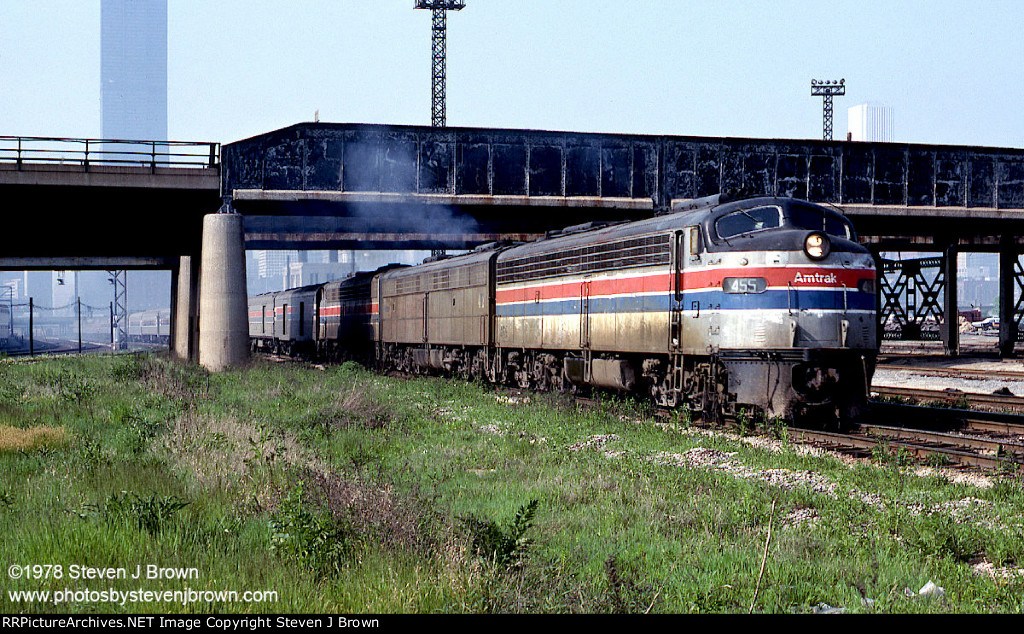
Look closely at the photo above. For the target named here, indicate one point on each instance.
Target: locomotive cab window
(816, 219)
(748, 221)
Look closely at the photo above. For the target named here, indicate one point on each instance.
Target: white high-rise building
(133, 69)
(870, 122)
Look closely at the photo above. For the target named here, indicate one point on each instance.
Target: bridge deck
(475, 162)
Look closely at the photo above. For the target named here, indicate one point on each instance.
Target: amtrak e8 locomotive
(766, 303)
(762, 304)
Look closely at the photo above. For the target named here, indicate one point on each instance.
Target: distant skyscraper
(133, 69)
(870, 122)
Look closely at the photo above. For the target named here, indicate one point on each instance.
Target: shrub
(318, 542)
(505, 547)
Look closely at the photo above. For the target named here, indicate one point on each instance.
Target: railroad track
(997, 402)
(956, 372)
(986, 440)
(943, 449)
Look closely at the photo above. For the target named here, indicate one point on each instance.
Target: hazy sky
(950, 70)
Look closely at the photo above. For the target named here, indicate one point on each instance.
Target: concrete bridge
(80, 204)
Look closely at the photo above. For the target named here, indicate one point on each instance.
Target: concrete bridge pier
(223, 301)
(185, 298)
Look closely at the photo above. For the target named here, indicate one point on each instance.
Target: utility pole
(827, 90)
(439, 30)
(119, 310)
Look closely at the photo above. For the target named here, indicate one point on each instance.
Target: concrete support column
(223, 302)
(186, 304)
(950, 308)
(1007, 285)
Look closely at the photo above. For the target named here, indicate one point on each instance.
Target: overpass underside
(65, 212)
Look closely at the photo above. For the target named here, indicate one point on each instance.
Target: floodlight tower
(827, 90)
(439, 29)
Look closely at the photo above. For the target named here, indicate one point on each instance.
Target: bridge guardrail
(125, 152)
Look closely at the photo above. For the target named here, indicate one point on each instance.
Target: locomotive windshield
(796, 215)
(749, 221)
(818, 219)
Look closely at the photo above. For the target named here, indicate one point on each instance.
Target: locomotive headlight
(817, 246)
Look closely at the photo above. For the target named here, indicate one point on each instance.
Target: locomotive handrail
(124, 152)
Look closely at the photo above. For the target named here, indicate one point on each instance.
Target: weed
(896, 400)
(87, 451)
(129, 368)
(744, 422)
(136, 431)
(505, 547)
(937, 460)
(938, 535)
(266, 448)
(775, 427)
(9, 394)
(1009, 467)
(150, 514)
(956, 402)
(181, 383)
(883, 453)
(318, 542)
(6, 500)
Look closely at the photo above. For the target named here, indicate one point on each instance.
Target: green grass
(344, 491)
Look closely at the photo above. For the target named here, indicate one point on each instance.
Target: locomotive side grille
(406, 284)
(346, 294)
(646, 251)
(440, 280)
(443, 280)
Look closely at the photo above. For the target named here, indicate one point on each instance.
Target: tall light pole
(439, 30)
(827, 90)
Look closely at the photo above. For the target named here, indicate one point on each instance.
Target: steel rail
(993, 446)
(978, 372)
(862, 442)
(941, 418)
(950, 396)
